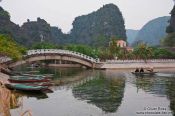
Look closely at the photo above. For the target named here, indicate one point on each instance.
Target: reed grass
(8, 100)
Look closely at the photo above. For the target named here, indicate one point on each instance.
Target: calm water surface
(81, 92)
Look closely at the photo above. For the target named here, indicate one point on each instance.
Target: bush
(10, 48)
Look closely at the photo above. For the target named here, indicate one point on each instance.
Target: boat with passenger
(144, 73)
(141, 71)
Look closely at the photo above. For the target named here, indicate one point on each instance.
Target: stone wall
(132, 64)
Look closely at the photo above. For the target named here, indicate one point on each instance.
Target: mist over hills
(153, 31)
(131, 35)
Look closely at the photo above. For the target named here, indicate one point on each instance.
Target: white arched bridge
(54, 54)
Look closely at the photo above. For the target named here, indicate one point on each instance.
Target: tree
(113, 48)
(169, 40)
(10, 48)
(84, 49)
(142, 51)
(44, 45)
(162, 53)
(169, 29)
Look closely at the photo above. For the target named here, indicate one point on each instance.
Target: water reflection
(162, 85)
(105, 93)
(38, 96)
(111, 91)
(152, 85)
(171, 93)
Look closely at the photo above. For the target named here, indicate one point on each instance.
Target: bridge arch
(56, 54)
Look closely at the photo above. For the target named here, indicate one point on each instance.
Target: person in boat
(137, 70)
(150, 69)
(141, 70)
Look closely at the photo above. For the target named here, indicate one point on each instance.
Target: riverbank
(4, 78)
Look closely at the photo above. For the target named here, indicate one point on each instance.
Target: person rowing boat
(137, 70)
(150, 69)
(141, 70)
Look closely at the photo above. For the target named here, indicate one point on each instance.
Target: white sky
(61, 13)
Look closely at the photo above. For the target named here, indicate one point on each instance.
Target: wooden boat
(40, 84)
(144, 73)
(27, 76)
(24, 87)
(28, 79)
(41, 75)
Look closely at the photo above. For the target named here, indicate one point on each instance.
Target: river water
(82, 92)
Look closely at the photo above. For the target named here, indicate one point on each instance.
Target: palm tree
(113, 48)
(142, 51)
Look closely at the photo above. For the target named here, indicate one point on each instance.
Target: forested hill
(8, 27)
(30, 32)
(94, 29)
(169, 40)
(36, 31)
(97, 27)
(153, 31)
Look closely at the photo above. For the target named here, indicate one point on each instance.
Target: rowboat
(144, 73)
(28, 79)
(27, 76)
(40, 84)
(24, 87)
(41, 75)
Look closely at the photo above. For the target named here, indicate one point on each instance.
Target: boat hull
(28, 80)
(144, 73)
(23, 87)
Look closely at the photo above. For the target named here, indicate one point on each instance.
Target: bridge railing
(59, 51)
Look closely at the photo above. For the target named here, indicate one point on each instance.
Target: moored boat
(24, 87)
(28, 80)
(41, 75)
(40, 84)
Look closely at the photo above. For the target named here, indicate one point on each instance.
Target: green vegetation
(104, 93)
(169, 40)
(99, 26)
(142, 51)
(4, 14)
(10, 48)
(84, 49)
(159, 53)
(169, 29)
(171, 93)
(44, 45)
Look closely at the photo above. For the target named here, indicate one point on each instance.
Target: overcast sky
(61, 13)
